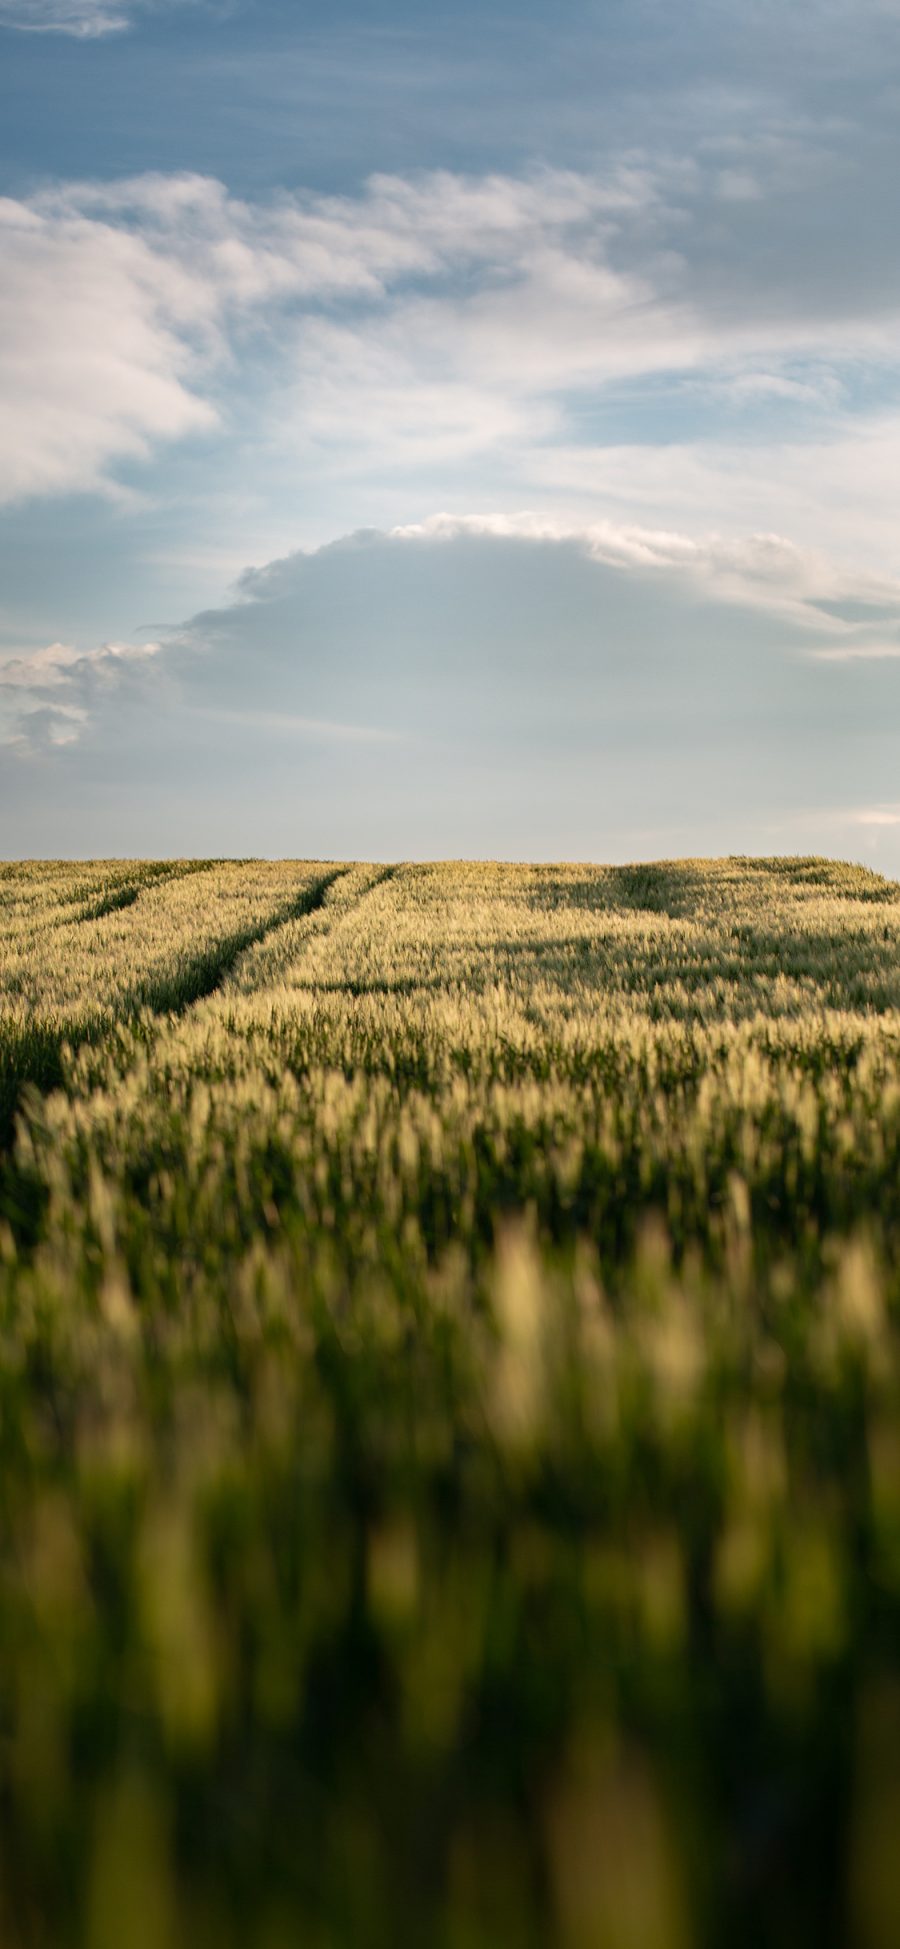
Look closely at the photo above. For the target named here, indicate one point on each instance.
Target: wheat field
(449, 1405)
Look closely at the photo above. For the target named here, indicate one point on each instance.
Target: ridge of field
(450, 1406)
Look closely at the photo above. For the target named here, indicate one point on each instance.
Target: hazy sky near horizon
(466, 431)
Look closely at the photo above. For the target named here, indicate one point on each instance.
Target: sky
(432, 432)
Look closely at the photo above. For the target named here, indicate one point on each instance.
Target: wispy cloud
(121, 303)
(84, 19)
(421, 324)
(865, 651)
(876, 815)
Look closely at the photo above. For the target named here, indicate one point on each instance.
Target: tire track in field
(348, 984)
(203, 973)
(33, 1058)
(334, 917)
(143, 881)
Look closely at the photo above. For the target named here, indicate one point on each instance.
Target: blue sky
(437, 432)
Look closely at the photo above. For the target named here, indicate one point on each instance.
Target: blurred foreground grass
(449, 1406)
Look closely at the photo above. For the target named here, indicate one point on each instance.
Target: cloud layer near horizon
(457, 689)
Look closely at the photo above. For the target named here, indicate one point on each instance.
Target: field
(449, 1406)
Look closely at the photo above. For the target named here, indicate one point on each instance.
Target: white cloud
(416, 324)
(49, 694)
(122, 303)
(55, 663)
(96, 330)
(39, 670)
(761, 571)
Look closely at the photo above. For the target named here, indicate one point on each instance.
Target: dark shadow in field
(653, 889)
(402, 985)
(855, 882)
(657, 889)
(27, 1060)
(112, 903)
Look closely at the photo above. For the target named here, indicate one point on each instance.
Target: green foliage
(450, 1406)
